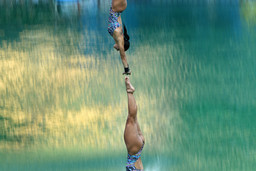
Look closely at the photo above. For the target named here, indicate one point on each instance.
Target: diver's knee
(131, 120)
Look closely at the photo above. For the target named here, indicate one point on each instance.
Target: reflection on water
(62, 92)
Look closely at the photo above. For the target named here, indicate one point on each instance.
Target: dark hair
(126, 39)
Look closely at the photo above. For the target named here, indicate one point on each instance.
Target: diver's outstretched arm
(119, 39)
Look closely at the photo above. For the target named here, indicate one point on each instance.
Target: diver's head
(126, 41)
(126, 44)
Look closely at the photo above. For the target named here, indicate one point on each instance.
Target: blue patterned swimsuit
(131, 159)
(113, 21)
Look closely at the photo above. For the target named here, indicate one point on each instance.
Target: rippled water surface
(63, 104)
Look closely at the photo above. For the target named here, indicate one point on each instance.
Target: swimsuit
(131, 159)
(112, 21)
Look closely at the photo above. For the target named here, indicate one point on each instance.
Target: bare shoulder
(118, 34)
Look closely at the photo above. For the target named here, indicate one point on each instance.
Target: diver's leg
(132, 138)
(139, 131)
(119, 5)
(132, 106)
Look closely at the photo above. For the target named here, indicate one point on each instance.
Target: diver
(118, 31)
(134, 140)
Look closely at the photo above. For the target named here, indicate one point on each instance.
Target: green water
(63, 104)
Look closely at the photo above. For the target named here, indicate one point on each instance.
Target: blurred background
(63, 103)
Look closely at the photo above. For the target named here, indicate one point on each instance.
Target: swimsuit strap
(131, 159)
(137, 154)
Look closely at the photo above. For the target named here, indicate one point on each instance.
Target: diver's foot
(127, 71)
(129, 87)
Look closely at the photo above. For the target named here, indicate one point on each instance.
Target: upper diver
(118, 32)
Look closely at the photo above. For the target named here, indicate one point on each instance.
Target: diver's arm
(122, 52)
(119, 39)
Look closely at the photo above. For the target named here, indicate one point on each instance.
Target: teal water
(63, 104)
